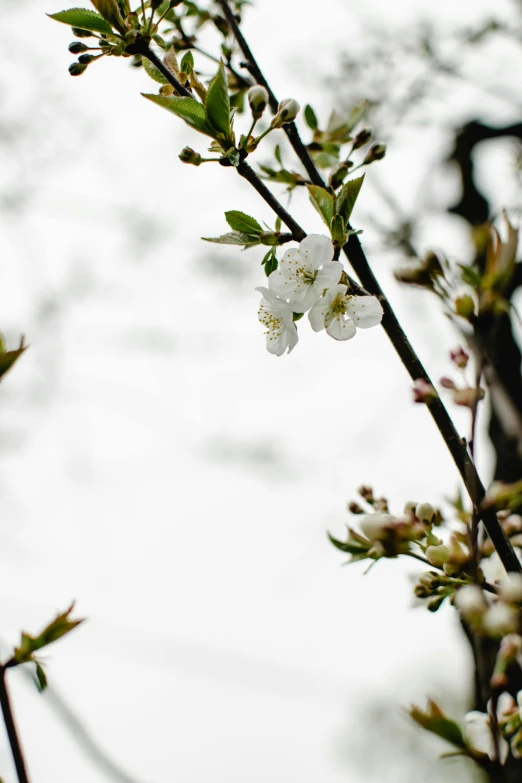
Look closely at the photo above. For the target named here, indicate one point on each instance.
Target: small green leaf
(338, 230)
(234, 238)
(347, 196)
(84, 18)
(218, 102)
(437, 723)
(470, 276)
(60, 626)
(277, 155)
(310, 118)
(351, 546)
(40, 677)
(239, 221)
(153, 72)
(270, 262)
(187, 62)
(323, 201)
(8, 358)
(187, 108)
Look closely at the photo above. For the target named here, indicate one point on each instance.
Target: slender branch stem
(355, 254)
(248, 173)
(12, 733)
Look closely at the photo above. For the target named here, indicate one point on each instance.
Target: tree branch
(355, 254)
(12, 733)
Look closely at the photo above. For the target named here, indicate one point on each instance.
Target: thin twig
(14, 742)
(355, 254)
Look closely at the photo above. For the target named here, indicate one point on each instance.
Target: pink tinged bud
(447, 383)
(459, 357)
(423, 391)
(470, 602)
(511, 647)
(510, 588)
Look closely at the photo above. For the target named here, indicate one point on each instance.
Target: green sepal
(187, 108)
(347, 196)
(323, 201)
(83, 18)
(239, 221)
(218, 102)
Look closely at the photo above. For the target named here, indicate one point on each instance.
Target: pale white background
(164, 470)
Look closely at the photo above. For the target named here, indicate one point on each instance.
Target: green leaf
(310, 118)
(153, 72)
(218, 102)
(338, 230)
(470, 276)
(351, 547)
(277, 155)
(187, 108)
(323, 201)
(84, 18)
(270, 262)
(187, 62)
(60, 626)
(347, 196)
(40, 677)
(437, 723)
(234, 238)
(8, 358)
(239, 221)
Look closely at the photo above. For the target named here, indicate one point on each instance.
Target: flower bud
(376, 152)
(362, 138)
(355, 508)
(423, 391)
(188, 155)
(76, 69)
(499, 620)
(510, 588)
(77, 47)
(468, 397)
(459, 357)
(366, 493)
(85, 59)
(338, 175)
(437, 555)
(447, 383)
(425, 512)
(375, 526)
(470, 602)
(511, 647)
(287, 111)
(258, 100)
(465, 306)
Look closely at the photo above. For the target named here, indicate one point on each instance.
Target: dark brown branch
(12, 733)
(355, 254)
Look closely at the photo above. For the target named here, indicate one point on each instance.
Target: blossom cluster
(307, 280)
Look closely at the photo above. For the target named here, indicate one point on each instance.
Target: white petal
(276, 345)
(273, 301)
(340, 328)
(505, 704)
(279, 283)
(478, 732)
(303, 299)
(317, 315)
(366, 311)
(334, 291)
(317, 248)
(292, 338)
(329, 275)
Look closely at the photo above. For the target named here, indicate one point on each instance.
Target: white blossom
(277, 316)
(305, 272)
(478, 730)
(510, 588)
(340, 313)
(470, 602)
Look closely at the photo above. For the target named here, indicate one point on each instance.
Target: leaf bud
(437, 555)
(425, 512)
(79, 33)
(465, 306)
(376, 152)
(362, 138)
(423, 392)
(77, 47)
(188, 155)
(76, 69)
(269, 238)
(287, 111)
(459, 357)
(258, 100)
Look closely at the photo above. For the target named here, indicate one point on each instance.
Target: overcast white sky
(161, 468)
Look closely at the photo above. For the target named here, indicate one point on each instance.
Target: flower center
(338, 306)
(274, 323)
(306, 275)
